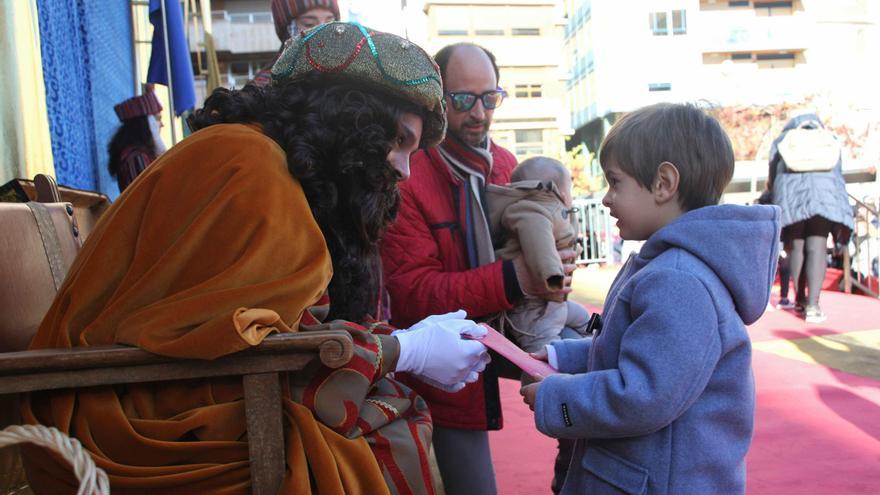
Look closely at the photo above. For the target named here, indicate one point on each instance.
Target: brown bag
(38, 242)
(88, 206)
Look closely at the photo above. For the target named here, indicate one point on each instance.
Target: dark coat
(802, 195)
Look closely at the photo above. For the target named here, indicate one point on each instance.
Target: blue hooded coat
(662, 399)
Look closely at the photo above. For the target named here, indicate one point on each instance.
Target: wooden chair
(30, 275)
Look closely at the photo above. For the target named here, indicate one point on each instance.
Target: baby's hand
(530, 393)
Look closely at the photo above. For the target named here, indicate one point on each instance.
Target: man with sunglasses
(438, 257)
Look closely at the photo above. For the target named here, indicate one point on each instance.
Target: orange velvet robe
(209, 251)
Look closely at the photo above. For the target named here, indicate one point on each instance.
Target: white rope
(92, 479)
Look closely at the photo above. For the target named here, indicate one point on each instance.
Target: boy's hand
(530, 393)
(540, 355)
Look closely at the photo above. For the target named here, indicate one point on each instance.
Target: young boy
(535, 217)
(662, 399)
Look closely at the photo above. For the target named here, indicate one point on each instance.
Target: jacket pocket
(620, 474)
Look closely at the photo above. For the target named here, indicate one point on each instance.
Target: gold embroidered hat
(384, 61)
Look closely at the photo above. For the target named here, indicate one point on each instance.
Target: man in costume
(291, 18)
(262, 221)
(137, 142)
(438, 256)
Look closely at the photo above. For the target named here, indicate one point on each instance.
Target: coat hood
(502, 196)
(739, 243)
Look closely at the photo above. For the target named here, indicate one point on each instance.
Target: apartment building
(623, 55)
(526, 38)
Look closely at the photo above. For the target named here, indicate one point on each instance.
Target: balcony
(728, 32)
(240, 33)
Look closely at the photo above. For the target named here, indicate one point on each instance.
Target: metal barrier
(596, 236)
(860, 259)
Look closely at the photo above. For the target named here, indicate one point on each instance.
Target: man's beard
(158, 144)
(474, 139)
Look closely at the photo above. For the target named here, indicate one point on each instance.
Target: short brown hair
(681, 134)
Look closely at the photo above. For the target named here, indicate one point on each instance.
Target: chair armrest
(48, 369)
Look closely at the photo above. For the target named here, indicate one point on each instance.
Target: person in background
(438, 256)
(766, 198)
(814, 203)
(137, 142)
(266, 219)
(662, 398)
(292, 17)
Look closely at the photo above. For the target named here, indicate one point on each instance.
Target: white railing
(242, 17)
(595, 233)
(862, 254)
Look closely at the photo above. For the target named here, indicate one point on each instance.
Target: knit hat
(286, 11)
(138, 106)
(383, 61)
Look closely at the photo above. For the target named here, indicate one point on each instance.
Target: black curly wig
(133, 132)
(337, 137)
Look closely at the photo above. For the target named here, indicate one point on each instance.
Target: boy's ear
(666, 183)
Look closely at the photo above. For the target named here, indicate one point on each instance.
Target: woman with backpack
(807, 182)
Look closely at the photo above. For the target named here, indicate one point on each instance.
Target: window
(527, 91)
(775, 56)
(772, 5)
(240, 73)
(738, 3)
(452, 32)
(248, 17)
(658, 23)
(738, 57)
(529, 150)
(526, 31)
(529, 135)
(241, 68)
(773, 8)
(679, 22)
(775, 60)
(490, 32)
(659, 87)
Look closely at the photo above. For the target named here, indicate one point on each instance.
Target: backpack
(809, 149)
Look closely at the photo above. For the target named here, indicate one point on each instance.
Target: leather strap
(47, 189)
(51, 243)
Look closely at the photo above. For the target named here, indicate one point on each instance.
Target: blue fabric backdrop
(88, 67)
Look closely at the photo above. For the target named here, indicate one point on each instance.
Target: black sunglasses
(464, 101)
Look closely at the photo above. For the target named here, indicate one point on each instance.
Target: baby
(535, 219)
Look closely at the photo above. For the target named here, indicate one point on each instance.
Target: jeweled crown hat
(138, 106)
(384, 61)
(286, 11)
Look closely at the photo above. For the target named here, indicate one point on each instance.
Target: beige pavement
(591, 283)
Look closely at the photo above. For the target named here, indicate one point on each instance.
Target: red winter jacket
(426, 272)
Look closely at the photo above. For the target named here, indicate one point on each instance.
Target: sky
(388, 16)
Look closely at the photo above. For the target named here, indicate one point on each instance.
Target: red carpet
(817, 428)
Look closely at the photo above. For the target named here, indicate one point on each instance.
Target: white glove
(434, 351)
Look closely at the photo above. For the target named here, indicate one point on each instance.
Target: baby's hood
(739, 243)
(502, 196)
